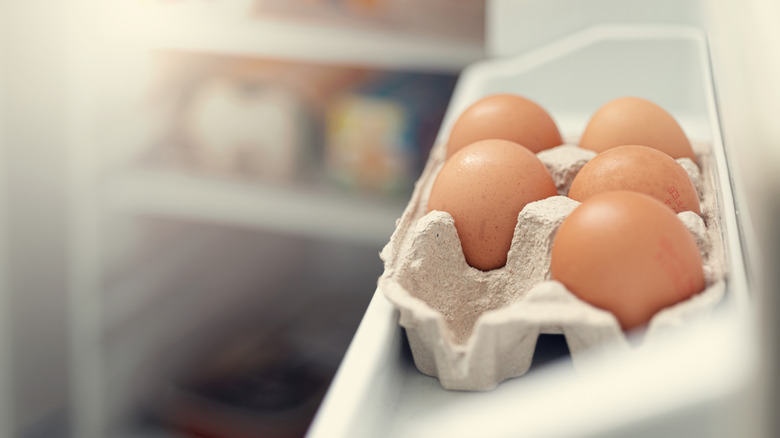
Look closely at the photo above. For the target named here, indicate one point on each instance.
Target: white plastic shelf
(214, 28)
(314, 213)
(686, 384)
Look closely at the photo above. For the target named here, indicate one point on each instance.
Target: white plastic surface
(514, 27)
(379, 392)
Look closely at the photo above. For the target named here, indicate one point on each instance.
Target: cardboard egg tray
(473, 329)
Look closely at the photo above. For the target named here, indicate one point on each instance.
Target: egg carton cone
(473, 329)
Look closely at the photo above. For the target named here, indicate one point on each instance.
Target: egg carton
(473, 329)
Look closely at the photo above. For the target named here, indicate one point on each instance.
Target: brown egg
(637, 169)
(506, 117)
(484, 186)
(631, 120)
(627, 253)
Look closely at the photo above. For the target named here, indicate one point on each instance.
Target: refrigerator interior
(168, 267)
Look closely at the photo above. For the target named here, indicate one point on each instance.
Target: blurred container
(246, 128)
(378, 134)
(369, 144)
(230, 118)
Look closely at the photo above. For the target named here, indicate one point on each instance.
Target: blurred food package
(369, 143)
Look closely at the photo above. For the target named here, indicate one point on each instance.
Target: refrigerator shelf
(327, 215)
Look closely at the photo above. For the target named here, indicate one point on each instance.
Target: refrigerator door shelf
(686, 381)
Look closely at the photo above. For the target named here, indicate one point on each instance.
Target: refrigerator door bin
(378, 391)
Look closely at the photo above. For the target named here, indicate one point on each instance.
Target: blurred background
(196, 196)
(194, 193)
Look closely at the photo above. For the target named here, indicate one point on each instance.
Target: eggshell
(484, 186)
(638, 169)
(635, 121)
(506, 117)
(628, 253)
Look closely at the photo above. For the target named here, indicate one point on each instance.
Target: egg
(637, 169)
(505, 117)
(484, 186)
(628, 253)
(631, 120)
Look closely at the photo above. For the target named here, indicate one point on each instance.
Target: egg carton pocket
(473, 329)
